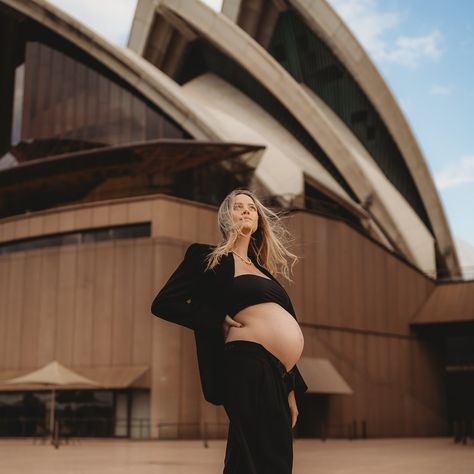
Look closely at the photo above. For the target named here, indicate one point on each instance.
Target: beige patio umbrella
(53, 374)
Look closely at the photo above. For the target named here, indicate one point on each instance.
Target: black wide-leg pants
(260, 437)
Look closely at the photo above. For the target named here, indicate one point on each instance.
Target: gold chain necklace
(248, 261)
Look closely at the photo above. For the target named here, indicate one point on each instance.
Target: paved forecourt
(378, 456)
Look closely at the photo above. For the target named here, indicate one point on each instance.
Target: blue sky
(424, 50)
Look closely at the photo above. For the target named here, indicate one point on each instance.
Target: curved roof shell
(403, 228)
(138, 73)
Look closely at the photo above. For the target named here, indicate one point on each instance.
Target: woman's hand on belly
(228, 323)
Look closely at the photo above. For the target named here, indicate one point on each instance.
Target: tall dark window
(67, 101)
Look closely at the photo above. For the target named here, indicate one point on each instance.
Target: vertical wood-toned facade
(88, 305)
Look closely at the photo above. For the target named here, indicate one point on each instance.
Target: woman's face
(244, 213)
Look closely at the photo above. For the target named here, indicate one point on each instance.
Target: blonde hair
(268, 244)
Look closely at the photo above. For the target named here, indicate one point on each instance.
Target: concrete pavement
(381, 456)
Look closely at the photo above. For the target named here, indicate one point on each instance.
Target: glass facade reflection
(73, 103)
(79, 413)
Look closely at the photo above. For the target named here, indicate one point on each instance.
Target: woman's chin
(246, 230)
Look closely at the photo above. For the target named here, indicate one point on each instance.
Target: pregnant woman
(234, 289)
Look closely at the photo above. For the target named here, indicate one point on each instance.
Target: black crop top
(248, 289)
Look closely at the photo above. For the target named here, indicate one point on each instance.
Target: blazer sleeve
(176, 301)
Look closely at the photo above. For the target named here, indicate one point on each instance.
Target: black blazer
(197, 299)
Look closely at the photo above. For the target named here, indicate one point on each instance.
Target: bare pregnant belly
(274, 328)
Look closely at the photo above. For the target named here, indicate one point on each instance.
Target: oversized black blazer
(198, 299)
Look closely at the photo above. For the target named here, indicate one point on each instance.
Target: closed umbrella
(55, 375)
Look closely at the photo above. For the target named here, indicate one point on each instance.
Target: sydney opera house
(113, 160)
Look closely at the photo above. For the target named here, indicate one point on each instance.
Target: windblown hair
(268, 244)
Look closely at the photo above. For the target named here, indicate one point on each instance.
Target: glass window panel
(138, 120)
(75, 238)
(18, 102)
(43, 99)
(115, 113)
(91, 111)
(80, 100)
(56, 91)
(126, 113)
(67, 97)
(69, 91)
(102, 118)
(31, 71)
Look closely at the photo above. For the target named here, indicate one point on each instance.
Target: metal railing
(463, 430)
(200, 431)
(77, 427)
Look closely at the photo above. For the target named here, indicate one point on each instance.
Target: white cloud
(110, 18)
(409, 51)
(371, 26)
(440, 90)
(456, 174)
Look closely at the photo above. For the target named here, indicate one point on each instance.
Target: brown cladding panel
(21, 228)
(101, 216)
(377, 293)
(346, 288)
(124, 299)
(334, 269)
(51, 223)
(139, 211)
(47, 310)
(8, 231)
(166, 353)
(118, 213)
(14, 310)
(84, 304)
(207, 224)
(190, 225)
(367, 274)
(102, 325)
(35, 226)
(391, 303)
(190, 398)
(356, 265)
(5, 262)
(83, 218)
(66, 304)
(309, 272)
(166, 218)
(67, 221)
(30, 313)
(323, 258)
(143, 296)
